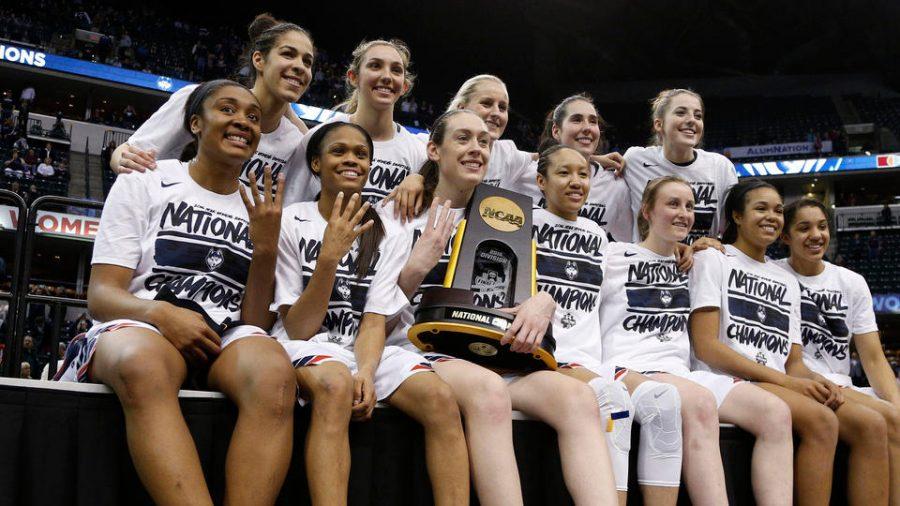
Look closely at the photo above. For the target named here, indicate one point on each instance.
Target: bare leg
(256, 374)
(430, 402)
(330, 388)
(146, 371)
(487, 413)
(702, 463)
(892, 425)
(817, 427)
(768, 418)
(570, 407)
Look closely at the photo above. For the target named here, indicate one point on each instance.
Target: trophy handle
(454, 254)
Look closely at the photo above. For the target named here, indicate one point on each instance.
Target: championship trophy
(492, 265)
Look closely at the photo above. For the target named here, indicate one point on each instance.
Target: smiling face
(490, 102)
(567, 183)
(287, 69)
(671, 213)
(344, 162)
(381, 80)
(808, 236)
(228, 125)
(463, 154)
(682, 124)
(580, 129)
(762, 218)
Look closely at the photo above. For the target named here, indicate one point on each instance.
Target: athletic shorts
(78, 362)
(395, 367)
(719, 384)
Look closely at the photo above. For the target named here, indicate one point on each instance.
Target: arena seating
(884, 112)
(877, 266)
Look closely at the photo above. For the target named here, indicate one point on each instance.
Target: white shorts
(395, 367)
(719, 384)
(79, 363)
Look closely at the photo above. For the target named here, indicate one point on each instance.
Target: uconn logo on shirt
(658, 300)
(824, 326)
(348, 295)
(257, 164)
(759, 313)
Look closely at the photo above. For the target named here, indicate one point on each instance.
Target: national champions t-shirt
(835, 305)
(759, 304)
(570, 268)
(644, 315)
(174, 233)
(302, 232)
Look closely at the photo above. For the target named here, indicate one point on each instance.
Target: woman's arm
(265, 228)
(368, 348)
(109, 299)
(427, 251)
(126, 158)
(876, 366)
(291, 115)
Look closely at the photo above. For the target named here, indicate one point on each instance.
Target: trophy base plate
(473, 333)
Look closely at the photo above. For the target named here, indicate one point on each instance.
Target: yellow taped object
(610, 425)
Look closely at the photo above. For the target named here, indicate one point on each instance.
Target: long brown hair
(263, 32)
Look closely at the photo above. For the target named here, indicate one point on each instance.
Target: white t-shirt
(392, 161)
(759, 304)
(644, 315)
(607, 205)
(570, 268)
(711, 175)
(412, 230)
(164, 132)
(302, 231)
(175, 233)
(45, 170)
(836, 304)
(508, 166)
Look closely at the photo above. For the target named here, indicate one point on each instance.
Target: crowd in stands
(30, 168)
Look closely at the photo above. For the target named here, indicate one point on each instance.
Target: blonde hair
(468, 88)
(648, 200)
(352, 102)
(660, 105)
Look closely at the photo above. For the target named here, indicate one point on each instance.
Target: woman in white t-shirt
(575, 123)
(281, 56)
(378, 76)
(644, 324)
(335, 292)
(171, 273)
(458, 153)
(745, 323)
(571, 252)
(837, 308)
(677, 119)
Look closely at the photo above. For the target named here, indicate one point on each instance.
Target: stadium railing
(22, 276)
(9, 341)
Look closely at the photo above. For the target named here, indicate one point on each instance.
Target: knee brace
(616, 414)
(657, 408)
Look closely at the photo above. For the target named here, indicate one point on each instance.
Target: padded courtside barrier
(64, 443)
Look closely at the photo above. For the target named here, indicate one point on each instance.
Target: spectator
(47, 152)
(14, 167)
(124, 45)
(129, 118)
(6, 105)
(25, 370)
(29, 352)
(27, 97)
(60, 358)
(887, 218)
(30, 158)
(856, 371)
(874, 245)
(45, 169)
(21, 142)
(59, 128)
